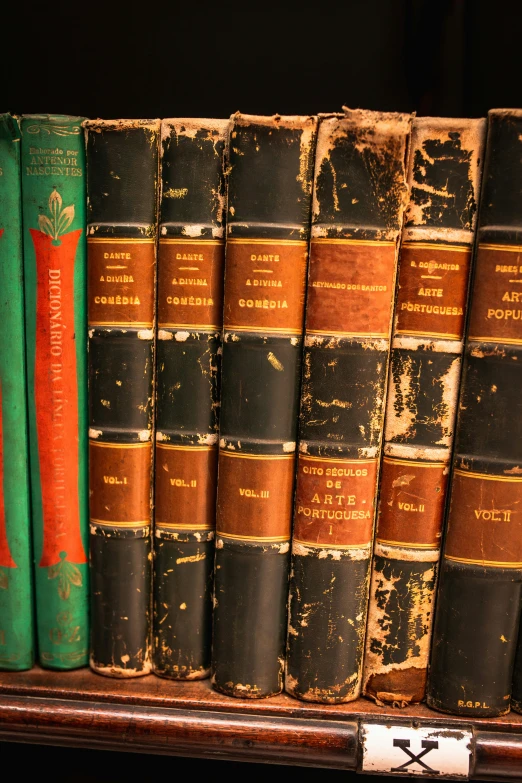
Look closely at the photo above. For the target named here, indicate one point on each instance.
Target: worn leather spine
(55, 281)
(478, 601)
(444, 177)
(122, 160)
(16, 578)
(191, 256)
(516, 693)
(360, 194)
(268, 225)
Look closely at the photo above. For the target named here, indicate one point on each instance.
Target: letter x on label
(427, 746)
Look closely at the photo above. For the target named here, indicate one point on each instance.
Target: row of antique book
(221, 477)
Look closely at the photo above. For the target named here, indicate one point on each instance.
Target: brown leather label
(255, 495)
(186, 478)
(350, 287)
(433, 286)
(190, 283)
(121, 281)
(119, 484)
(496, 308)
(485, 520)
(335, 501)
(265, 285)
(411, 503)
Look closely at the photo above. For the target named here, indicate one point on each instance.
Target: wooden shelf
(152, 715)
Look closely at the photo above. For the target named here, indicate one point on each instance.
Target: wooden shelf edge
(190, 719)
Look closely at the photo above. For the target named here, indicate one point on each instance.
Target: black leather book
(122, 171)
(190, 315)
(478, 602)
(268, 219)
(360, 194)
(437, 241)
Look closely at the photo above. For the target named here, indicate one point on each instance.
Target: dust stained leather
(482, 564)
(268, 228)
(122, 164)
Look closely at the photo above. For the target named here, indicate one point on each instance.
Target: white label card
(429, 751)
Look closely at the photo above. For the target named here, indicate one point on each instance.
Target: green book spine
(16, 610)
(53, 191)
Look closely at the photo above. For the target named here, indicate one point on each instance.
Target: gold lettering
(264, 304)
(189, 257)
(120, 256)
(412, 507)
(176, 482)
(501, 315)
(476, 704)
(506, 269)
(266, 257)
(430, 292)
(119, 300)
(431, 309)
(253, 493)
(493, 515)
(512, 296)
(348, 286)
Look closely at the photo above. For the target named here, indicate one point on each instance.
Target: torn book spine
(122, 160)
(191, 256)
(360, 194)
(478, 599)
(268, 224)
(444, 177)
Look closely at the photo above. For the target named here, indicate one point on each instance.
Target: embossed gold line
(343, 241)
(502, 563)
(415, 462)
(365, 335)
(258, 328)
(434, 246)
(428, 334)
(340, 459)
(241, 241)
(486, 476)
(366, 545)
(261, 540)
(122, 325)
(501, 340)
(176, 526)
(408, 545)
(120, 241)
(189, 241)
(190, 327)
(103, 445)
(139, 523)
(257, 456)
(184, 448)
(506, 248)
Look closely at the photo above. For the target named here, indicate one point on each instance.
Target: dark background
(159, 59)
(176, 59)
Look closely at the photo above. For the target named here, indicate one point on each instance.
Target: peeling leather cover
(478, 601)
(190, 315)
(360, 194)
(444, 176)
(122, 169)
(268, 227)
